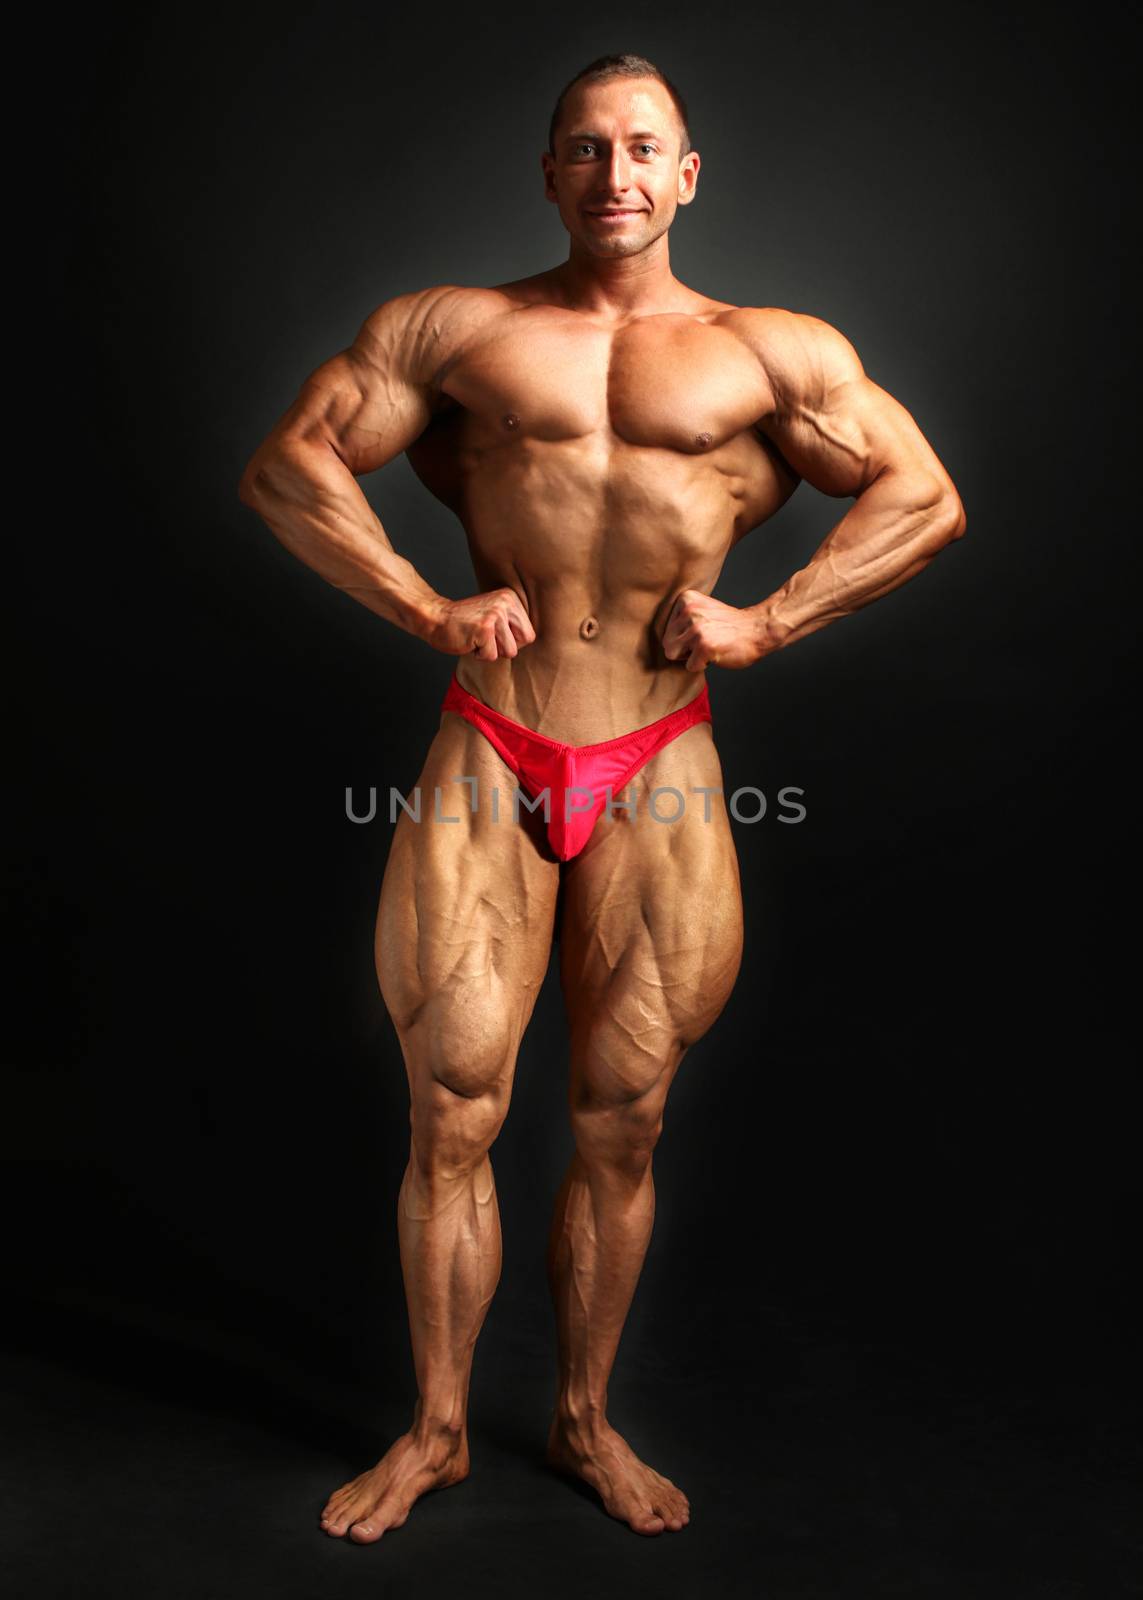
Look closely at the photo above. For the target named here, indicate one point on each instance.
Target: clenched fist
(487, 626)
(706, 633)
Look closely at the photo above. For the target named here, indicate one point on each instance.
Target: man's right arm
(355, 413)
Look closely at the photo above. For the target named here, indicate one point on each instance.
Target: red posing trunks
(577, 776)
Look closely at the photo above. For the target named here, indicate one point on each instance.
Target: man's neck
(622, 286)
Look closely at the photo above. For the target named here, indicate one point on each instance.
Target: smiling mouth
(630, 211)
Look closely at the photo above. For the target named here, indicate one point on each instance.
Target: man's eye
(580, 147)
(650, 147)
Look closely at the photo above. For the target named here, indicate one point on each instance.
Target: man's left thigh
(651, 925)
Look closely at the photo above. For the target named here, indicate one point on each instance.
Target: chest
(669, 382)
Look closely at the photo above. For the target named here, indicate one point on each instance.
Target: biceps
(849, 437)
(367, 415)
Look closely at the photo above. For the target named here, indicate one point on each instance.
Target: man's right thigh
(465, 923)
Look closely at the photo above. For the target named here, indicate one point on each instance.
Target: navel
(589, 627)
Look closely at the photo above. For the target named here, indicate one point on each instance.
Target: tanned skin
(605, 435)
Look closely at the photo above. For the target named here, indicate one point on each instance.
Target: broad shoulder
(804, 358)
(417, 333)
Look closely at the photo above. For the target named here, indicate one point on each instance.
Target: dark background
(883, 1336)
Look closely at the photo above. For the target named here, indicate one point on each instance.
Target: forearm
(889, 535)
(313, 504)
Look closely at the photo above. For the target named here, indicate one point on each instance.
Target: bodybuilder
(605, 435)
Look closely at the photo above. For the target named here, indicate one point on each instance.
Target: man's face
(617, 176)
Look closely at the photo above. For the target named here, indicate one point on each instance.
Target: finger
(485, 648)
(683, 640)
(673, 615)
(684, 621)
(516, 610)
(519, 620)
(522, 629)
(504, 637)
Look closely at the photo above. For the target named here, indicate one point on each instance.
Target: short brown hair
(625, 66)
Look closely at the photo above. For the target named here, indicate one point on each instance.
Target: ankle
(580, 1417)
(438, 1427)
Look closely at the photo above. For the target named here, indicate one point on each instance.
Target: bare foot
(382, 1498)
(629, 1489)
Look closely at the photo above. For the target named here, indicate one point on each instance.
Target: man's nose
(618, 170)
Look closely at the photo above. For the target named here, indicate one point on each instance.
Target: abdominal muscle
(630, 529)
(596, 669)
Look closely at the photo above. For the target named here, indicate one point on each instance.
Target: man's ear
(688, 177)
(547, 164)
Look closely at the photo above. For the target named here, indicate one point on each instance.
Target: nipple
(704, 439)
(511, 420)
(588, 628)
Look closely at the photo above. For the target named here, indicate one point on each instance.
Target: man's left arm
(846, 436)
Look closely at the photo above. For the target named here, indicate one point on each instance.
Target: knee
(452, 1133)
(461, 1067)
(622, 1066)
(467, 1049)
(618, 1133)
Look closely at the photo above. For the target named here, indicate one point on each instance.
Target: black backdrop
(883, 1333)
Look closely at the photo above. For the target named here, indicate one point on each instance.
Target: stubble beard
(629, 244)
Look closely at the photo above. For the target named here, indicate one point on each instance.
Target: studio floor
(856, 1472)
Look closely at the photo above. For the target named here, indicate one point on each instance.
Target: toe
(337, 1520)
(367, 1531)
(667, 1501)
(647, 1521)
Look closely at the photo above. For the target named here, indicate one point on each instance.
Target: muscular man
(605, 435)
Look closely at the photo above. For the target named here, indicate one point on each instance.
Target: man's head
(619, 160)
